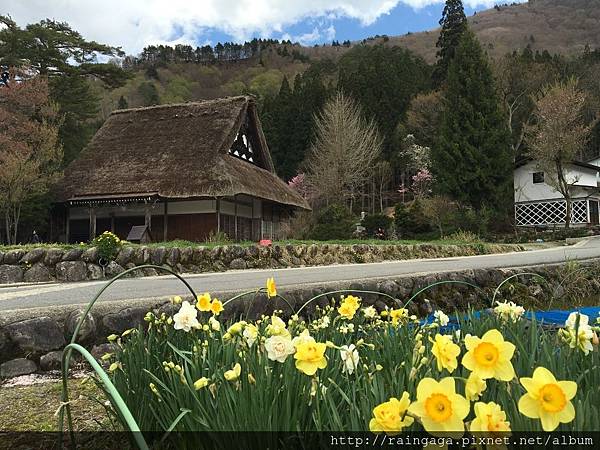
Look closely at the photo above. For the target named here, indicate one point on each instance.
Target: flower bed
(353, 368)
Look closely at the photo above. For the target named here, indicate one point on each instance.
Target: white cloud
(133, 24)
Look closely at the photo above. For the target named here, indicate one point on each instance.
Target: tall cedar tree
(454, 24)
(288, 119)
(472, 162)
(383, 80)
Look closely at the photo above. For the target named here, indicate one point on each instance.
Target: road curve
(55, 294)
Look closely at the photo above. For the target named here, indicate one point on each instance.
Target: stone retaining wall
(78, 264)
(32, 339)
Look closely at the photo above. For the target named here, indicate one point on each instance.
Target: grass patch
(32, 408)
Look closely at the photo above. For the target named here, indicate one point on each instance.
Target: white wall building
(539, 204)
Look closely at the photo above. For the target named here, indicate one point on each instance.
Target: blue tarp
(553, 317)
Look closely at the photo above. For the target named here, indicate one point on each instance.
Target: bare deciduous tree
(558, 135)
(439, 210)
(382, 176)
(344, 152)
(30, 152)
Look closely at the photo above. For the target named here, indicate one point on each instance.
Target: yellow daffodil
(547, 399)
(347, 310)
(310, 356)
(446, 352)
(204, 302)
(390, 417)
(439, 407)
(271, 288)
(399, 315)
(216, 307)
(489, 418)
(201, 383)
(474, 387)
(489, 356)
(234, 373)
(352, 300)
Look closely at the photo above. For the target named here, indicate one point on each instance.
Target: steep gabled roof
(177, 151)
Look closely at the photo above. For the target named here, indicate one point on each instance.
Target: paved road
(30, 296)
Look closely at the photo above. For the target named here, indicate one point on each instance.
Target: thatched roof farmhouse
(183, 170)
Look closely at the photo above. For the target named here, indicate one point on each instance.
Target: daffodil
(350, 358)
(370, 312)
(352, 300)
(489, 356)
(201, 383)
(216, 307)
(446, 352)
(271, 288)
(234, 373)
(390, 417)
(489, 418)
(441, 318)
(547, 399)
(277, 327)
(215, 325)
(279, 348)
(204, 302)
(348, 307)
(186, 318)
(439, 407)
(310, 356)
(399, 315)
(303, 337)
(474, 387)
(250, 334)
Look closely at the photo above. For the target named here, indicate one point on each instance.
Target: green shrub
(374, 222)
(108, 245)
(333, 222)
(411, 220)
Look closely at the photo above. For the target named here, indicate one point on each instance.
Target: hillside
(559, 26)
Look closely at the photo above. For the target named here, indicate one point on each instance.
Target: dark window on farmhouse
(538, 177)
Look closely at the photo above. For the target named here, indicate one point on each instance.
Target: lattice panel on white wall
(550, 213)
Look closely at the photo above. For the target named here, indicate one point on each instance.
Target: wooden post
(218, 207)
(112, 222)
(252, 222)
(148, 217)
(165, 221)
(68, 225)
(235, 217)
(92, 223)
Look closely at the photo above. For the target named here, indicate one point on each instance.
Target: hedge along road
(56, 294)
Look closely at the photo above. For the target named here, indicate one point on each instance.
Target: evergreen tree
(454, 24)
(288, 118)
(472, 162)
(122, 103)
(383, 80)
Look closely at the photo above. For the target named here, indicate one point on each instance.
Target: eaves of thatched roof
(175, 152)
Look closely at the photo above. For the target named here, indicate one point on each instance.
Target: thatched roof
(177, 151)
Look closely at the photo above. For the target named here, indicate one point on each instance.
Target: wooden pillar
(68, 225)
(148, 217)
(92, 223)
(165, 221)
(112, 222)
(235, 217)
(252, 238)
(218, 208)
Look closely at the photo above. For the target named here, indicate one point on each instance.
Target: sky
(133, 24)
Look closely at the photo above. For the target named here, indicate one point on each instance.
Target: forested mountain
(429, 105)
